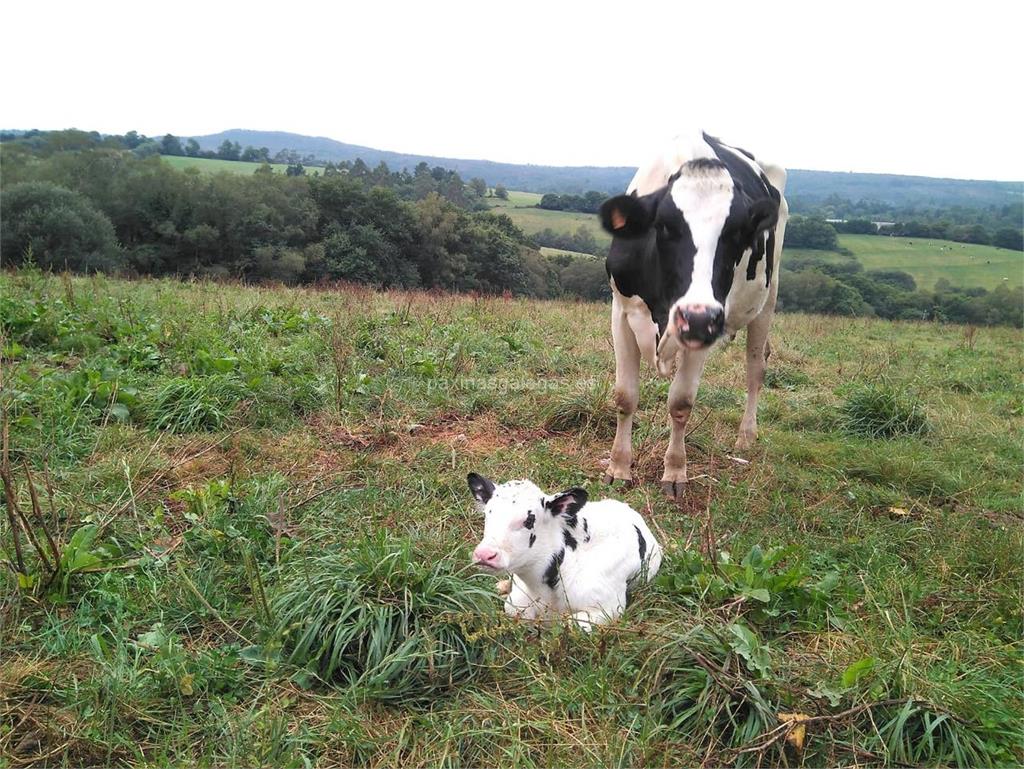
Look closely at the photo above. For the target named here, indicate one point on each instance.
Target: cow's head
(523, 526)
(699, 226)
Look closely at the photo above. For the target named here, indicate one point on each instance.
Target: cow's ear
(764, 214)
(630, 216)
(481, 488)
(567, 503)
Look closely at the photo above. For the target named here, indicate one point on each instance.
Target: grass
(257, 498)
(962, 264)
(516, 199)
(216, 165)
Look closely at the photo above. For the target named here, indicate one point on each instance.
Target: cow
(567, 556)
(694, 258)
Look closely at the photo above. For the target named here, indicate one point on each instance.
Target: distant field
(560, 252)
(515, 199)
(927, 260)
(532, 220)
(213, 165)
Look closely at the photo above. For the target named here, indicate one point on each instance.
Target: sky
(932, 89)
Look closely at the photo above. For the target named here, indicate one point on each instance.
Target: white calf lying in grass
(565, 556)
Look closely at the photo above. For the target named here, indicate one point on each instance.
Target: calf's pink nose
(484, 554)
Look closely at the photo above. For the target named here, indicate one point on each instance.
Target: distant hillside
(521, 177)
(805, 187)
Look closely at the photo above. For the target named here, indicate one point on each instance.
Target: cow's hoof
(745, 442)
(503, 586)
(673, 489)
(612, 479)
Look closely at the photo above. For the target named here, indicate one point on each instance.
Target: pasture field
(261, 533)
(516, 199)
(532, 220)
(215, 165)
(962, 264)
(562, 252)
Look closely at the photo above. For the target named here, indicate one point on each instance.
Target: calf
(565, 556)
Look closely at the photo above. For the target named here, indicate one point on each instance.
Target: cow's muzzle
(698, 325)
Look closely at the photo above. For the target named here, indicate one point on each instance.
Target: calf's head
(523, 526)
(688, 237)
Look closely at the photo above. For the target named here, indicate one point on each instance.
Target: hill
(522, 177)
(804, 186)
(259, 497)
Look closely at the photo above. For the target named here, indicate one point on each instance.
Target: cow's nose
(485, 555)
(698, 325)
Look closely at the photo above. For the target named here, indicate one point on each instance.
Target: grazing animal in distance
(694, 258)
(567, 556)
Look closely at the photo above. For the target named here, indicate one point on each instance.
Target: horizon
(492, 160)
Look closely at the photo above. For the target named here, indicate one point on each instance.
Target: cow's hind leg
(758, 351)
(680, 403)
(627, 396)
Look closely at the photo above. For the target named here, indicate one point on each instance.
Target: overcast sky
(899, 87)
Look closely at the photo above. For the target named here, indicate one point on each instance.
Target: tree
(250, 155)
(296, 169)
(170, 145)
(60, 228)
(229, 150)
(807, 232)
(1009, 237)
(500, 192)
(478, 186)
(192, 148)
(133, 140)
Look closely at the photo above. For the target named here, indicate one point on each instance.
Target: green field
(532, 220)
(962, 264)
(214, 165)
(258, 504)
(562, 252)
(516, 199)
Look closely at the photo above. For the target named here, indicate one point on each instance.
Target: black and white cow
(694, 258)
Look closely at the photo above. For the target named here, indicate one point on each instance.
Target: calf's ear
(567, 503)
(764, 214)
(630, 216)
(481, 488)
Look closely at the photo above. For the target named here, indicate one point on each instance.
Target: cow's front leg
(627, 396)
(757, 359)
(681, 395)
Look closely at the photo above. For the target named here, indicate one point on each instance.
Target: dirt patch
(479, 436)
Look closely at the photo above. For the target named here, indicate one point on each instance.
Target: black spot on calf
(570, 540)
(642, 543)
(551, 574)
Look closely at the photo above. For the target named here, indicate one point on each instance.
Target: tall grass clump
(584, 408)
(194, 404)
(882, 410)
(381, 619)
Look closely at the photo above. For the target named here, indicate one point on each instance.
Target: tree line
(86, 203)
(990, 225)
